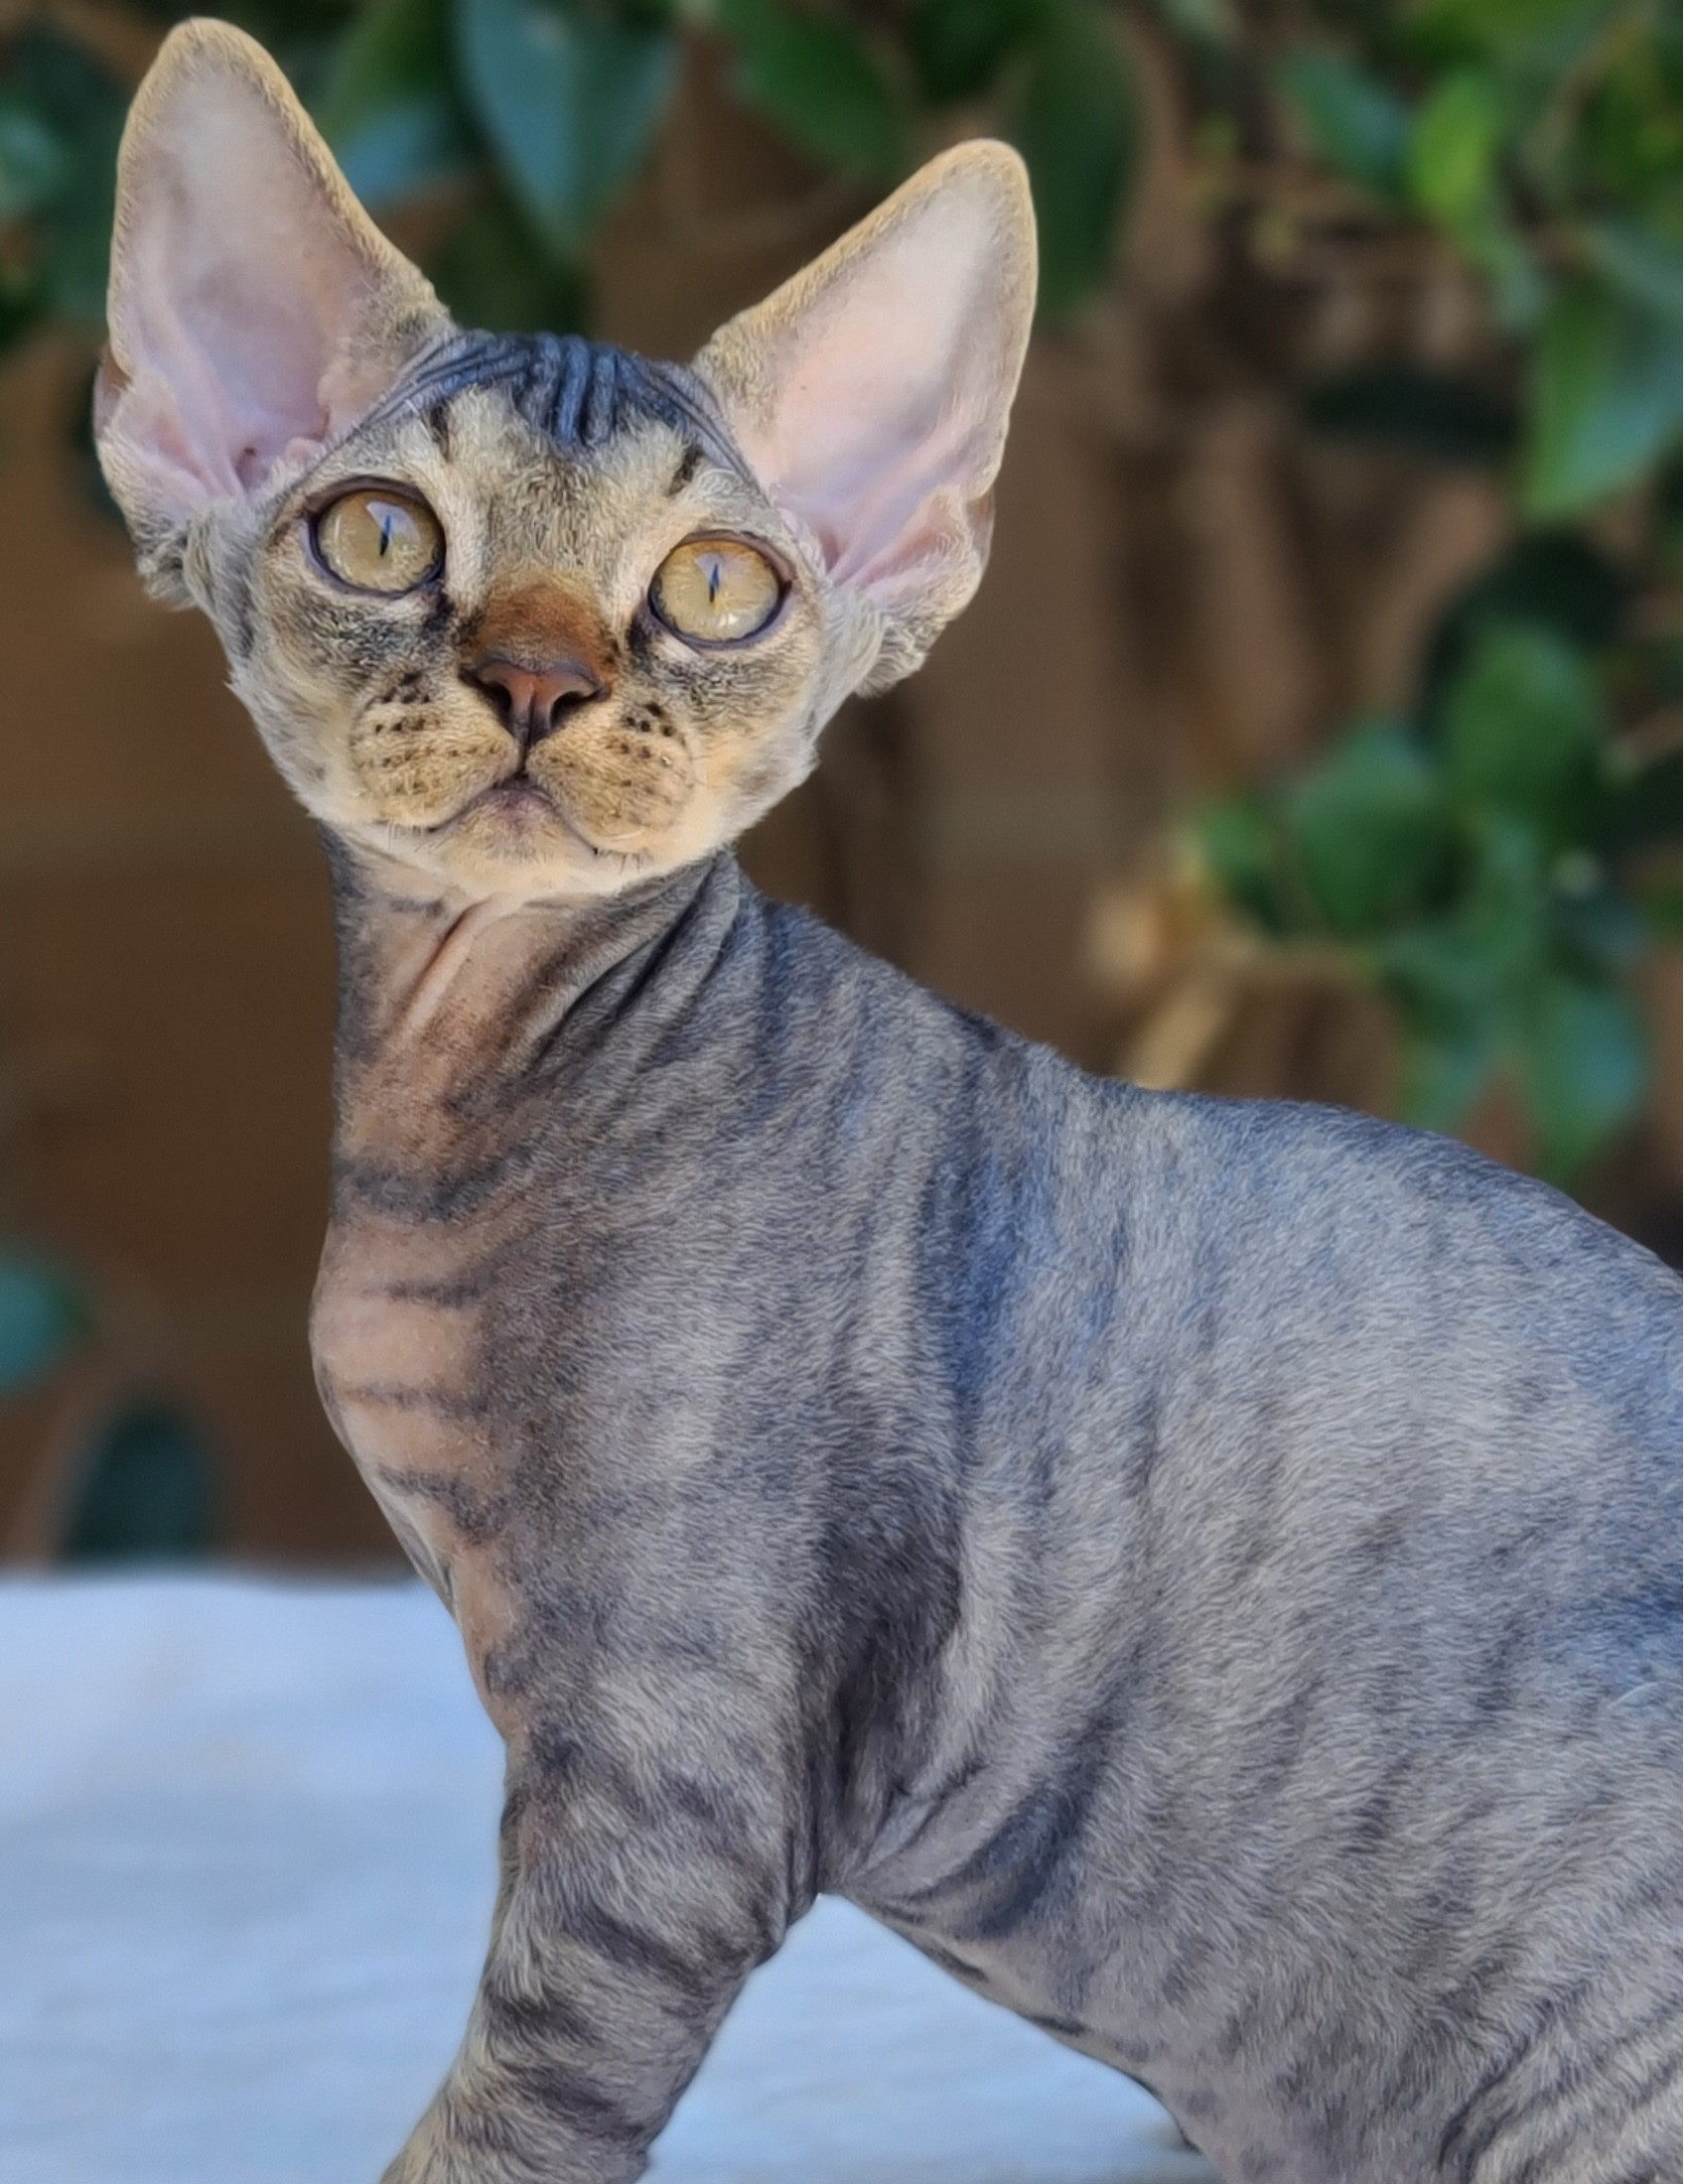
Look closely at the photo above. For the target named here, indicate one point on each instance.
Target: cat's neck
(437, 990)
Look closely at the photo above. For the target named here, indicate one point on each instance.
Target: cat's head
(532, 615)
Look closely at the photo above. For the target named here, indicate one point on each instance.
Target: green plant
(521, 122)
(1494, 863)
(1491, 865)
(43, 1318)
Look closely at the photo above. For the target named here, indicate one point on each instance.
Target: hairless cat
(1207, 1573)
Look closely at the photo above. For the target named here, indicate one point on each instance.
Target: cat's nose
(533, 701)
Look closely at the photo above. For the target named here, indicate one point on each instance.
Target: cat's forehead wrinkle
(437, 418)
(690, 463)
(578, 394)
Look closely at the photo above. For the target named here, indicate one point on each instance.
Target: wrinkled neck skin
(443, 995)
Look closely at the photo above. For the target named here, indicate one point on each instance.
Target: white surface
(247, 1838)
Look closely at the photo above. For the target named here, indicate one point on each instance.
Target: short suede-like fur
(1207, 1573)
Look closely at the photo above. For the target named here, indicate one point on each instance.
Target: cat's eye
(379, 540)
(717, 591)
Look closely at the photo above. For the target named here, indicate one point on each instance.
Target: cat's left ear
(870, 394)
(255, 309)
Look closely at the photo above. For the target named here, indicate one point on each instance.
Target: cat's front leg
(619, 1940)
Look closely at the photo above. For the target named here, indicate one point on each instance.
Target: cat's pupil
(713, 581)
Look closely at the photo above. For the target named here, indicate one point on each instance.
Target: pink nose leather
(534, 701)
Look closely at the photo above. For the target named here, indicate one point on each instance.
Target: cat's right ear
(255, 310)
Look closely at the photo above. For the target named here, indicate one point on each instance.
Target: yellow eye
(379, 540)
(716, 589)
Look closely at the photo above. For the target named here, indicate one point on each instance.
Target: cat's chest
(397, 1342)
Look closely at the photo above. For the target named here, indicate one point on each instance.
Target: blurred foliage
(524, 121)
(145, 1490)
(43, 1318)
(1493, 859)
(1500, 861)
(1491, 863)
(145, 1484)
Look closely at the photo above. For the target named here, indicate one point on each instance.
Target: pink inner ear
(236, 288)
(893, 392)
(264, 359)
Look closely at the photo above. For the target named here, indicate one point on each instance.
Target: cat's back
(1371, 1356)
(1333, 1226)
(1440, 1402)
(1405, 1290)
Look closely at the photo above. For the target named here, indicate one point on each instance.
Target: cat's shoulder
(1280, 1166)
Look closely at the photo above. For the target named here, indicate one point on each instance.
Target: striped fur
(1206, 1574)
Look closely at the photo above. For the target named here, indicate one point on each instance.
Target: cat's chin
(513, 839)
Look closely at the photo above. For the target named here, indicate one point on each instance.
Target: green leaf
(1369, 829)
(1446, 1063)
(1583, 1052)
(570, 98)
(1449, 971)
(77, 265)
(1352, 122)
(1456, 135)
(41, 1317)
(1239, 844)
(389, 106)
(1594, 929)
(1435, 414)
(1645, 806)
(1507, 29)
(1629, 121)
(819, 81)
(33, 163)
(1552, 576)
(1521, 720)
(1205, 22)
(1605, 398)
(22, 306)
(1073, 116)
(1661, 910)
(1642, 265)
(959, 47)
(82, 104)
(492, 271)
(1452, 979)
(146, 1491)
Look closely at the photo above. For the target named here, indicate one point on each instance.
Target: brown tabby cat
(1206, 1574)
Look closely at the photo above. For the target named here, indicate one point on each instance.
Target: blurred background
(1316, 734)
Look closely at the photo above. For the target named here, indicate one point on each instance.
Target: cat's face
(528, 664)
(531, 617)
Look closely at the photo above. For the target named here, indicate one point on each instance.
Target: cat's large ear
(255, 310)
(870, 394)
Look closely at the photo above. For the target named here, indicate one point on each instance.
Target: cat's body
(1206, 1574)
(1176, 1560)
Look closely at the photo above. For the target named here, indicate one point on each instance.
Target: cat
(1204, 1573)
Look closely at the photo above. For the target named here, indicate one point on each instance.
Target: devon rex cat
(1204, 1573)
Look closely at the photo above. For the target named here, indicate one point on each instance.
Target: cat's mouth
(519, 798)
(521, 805)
